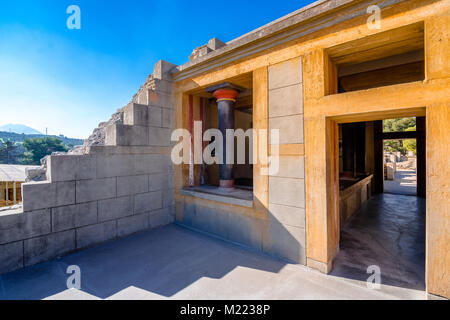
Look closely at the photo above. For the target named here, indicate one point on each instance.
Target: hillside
(70, 142)
(18, 128)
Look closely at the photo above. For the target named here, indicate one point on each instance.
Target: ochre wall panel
(438, 199)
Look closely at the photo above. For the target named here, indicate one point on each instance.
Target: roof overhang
(314, 17)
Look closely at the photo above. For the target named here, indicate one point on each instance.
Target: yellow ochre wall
(323, 111)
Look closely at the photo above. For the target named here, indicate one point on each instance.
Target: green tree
(38, 148)
(410, 145)
(8, 151)
(399, 124)
(394, 146)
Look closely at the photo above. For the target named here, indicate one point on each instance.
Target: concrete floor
(388, 231)
(177, 263)
(405, 182)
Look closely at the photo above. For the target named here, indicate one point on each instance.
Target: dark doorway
(379, 227)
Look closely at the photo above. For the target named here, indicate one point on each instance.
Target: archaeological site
(314, 88)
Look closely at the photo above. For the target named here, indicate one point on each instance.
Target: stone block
(98, 189)
(246, 230)
(171, 180)
(74, 216)
(168, 198)
(285, 73)
(291, 216)
(115, 165)
(290, 129)
(95, 234)
(286, 242)
(158, 181)
(42, 195)
(155, 116)
(151, 163)
(141, 96)
(215, 44)
(289, 167)
(164, 86)
(111, 132)
(286, 101)
(145, 202)
(136, 115)
(161, 217)
(11, 256)
(189, 217)
(161, 181)
(162, 69)
(71, 167)
(159, 136)
(132, 185)
(179, 208)
(132, 224)
(135, 136)
(168, 118)
(48, 247)
(116, 208)
(287, 191)
(159, 99)
(86, 167)
(213, 221)
(25, 225)
(126, 135)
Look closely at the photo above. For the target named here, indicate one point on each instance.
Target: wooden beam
(383, 102)
(413, 56)
(380, 45)
(404, 73)
(399, 135)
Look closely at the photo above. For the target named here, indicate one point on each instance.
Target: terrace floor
(177, 263)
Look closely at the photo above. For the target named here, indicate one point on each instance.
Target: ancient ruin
(325, 77)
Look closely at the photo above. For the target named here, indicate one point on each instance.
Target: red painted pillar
(226, 95)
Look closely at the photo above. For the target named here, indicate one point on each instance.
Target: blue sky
(70, 80)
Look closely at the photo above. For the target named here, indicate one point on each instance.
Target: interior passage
(389, 232)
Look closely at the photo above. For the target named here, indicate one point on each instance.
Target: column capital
(225, 91)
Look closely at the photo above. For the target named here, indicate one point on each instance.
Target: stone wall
(287, 186)
(116, 187)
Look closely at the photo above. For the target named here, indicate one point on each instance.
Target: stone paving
(405, 182)
(388, 231)
(177, 263)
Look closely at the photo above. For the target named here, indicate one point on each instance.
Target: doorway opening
(400, 167)
(382, 225)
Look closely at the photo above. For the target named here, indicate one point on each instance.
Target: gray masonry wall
(282, 234)
(114, 190)
(287, 186)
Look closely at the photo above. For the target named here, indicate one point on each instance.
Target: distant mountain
(19, 128)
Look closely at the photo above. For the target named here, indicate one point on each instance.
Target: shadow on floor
(162, 261)
(388, 231)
